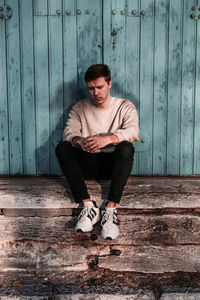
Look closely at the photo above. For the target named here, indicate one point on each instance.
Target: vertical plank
(119, 41)
(107, 29)
(160, 86)
(116, 57)
(4, 147)
(41, 56)
(89, 39)
(14, 89)
(174, 87)
(197, 104)
(187, 101)
(56, 79)
(132, 61)
(28, 99)
(146, 83)
(40, 7)
(70, 56)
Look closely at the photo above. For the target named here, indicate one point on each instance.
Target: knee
(125, 150)
(63, 148)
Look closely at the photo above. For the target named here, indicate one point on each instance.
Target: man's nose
(95, 91)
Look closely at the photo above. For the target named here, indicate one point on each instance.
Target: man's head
(98, 80)
(96, 71)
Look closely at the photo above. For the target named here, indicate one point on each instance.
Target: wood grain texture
(197, 106)
(70, 57)
(48, 244)
(187, 103)
(146, 83)
(55, 33)
(153, 259)
(118, 53)
(139, 193)
(135, 230)
(181, 296)
(28, 88)
(174, 87)
(4, 126)
(41, 58)
(160, 91)
(137, 295)
(132, 82)
(89, 40)
(14, 90)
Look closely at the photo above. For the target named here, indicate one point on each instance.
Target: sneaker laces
(86, 211)
(109, 216)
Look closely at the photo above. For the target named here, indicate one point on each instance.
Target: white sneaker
(110, 230)
(87, 218)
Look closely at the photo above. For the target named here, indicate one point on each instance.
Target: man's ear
(110, 84)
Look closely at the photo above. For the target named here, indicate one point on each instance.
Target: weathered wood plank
(197, 106)
(181, 296)
(146, 84)
(28, 101)
(117, 30)
(174, 87)
(142, 295)
(69, 56)
(40, 7)
(139, 193)
(134, 229)
(56, 79)
(137, 295)
(132, 63)
(31, 256)
(4, 145)
(160, 90)
(39, 255)
(89, 39)
(187, 103)
(41, 59)
(14, 89)
(154, 259)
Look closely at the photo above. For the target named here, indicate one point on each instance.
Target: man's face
(99, 91)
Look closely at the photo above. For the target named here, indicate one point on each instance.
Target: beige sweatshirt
(119, 118)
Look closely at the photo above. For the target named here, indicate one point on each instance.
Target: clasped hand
(94, 143)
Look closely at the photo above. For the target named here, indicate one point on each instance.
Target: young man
(97, 144)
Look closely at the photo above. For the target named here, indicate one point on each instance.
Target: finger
(92, 147)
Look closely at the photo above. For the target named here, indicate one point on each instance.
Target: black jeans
(78, 165)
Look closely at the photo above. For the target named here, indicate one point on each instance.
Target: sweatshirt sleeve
(73, 124)
(129, 128)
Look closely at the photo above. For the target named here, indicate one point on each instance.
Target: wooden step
(159, 235)
(52, 194)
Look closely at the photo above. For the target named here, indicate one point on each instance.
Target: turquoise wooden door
(153, 50)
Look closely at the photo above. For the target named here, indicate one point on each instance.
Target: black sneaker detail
(109, 238)
(79, 230)
(92, 214)
(94, 203)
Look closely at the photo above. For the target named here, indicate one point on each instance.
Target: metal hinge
(5, 12)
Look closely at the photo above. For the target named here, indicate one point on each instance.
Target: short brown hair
(96, 71)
